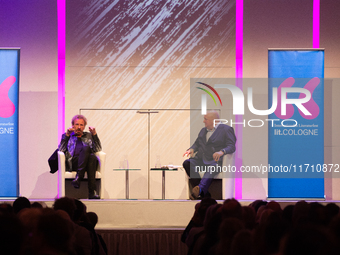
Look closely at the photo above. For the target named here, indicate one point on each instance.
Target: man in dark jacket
(79, 148)
(213, 142)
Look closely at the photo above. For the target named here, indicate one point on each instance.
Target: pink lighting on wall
(61, 69)
(316, 23)
(239, 75)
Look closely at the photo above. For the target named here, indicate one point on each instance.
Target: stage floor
(146, 214)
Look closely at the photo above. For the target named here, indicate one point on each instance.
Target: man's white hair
(214, 114)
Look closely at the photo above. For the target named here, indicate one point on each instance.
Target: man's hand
(189, 152)
(69, 131)
(93, 130)
(217, 155)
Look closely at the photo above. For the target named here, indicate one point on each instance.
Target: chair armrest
(61, 174)
(61, 161)
(228, 159)
(101, 167)
(101, 159)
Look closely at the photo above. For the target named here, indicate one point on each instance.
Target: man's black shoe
(76, 182)
(94, 195)
(207, 194)
(202, 195)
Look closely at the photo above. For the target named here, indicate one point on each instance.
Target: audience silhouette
(34, 229)
(261, 228)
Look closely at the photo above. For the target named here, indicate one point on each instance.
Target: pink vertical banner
(239, 76)
(61, 68)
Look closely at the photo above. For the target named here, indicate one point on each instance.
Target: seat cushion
(72, 175)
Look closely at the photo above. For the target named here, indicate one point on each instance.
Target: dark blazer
(223, 138)
(53, 162)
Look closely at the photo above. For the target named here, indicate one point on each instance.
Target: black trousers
(195, 178)
(86, 161)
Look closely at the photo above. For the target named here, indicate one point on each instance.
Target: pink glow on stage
(239, 75)
(61, 68)
(316, 23)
